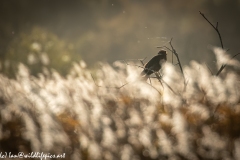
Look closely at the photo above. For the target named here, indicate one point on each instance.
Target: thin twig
(179, 63)
(173, 52)
(168, 49)
(142, 59)
(133, 64)
(215, 28)
(162, 81)
(122, 86)
(159, 79)
(235, 55)
(108, 86)
(169, 87)
(224, 65)
(155, 89)
(220, 38)
(142, 62)
(209, 69)
(165, 47)
(143, 65)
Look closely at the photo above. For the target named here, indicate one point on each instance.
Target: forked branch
(179, 62)
(108, 86)
(220, 38)
(214, 27)
(176, 54)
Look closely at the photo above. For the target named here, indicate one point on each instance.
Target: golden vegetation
(73, 115)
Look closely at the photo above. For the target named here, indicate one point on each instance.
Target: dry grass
(72, 115)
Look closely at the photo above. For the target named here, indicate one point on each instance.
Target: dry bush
(52, 114)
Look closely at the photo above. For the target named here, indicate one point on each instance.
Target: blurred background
(73, 115)
(55, 33)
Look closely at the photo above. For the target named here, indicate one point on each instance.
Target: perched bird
(155, 64)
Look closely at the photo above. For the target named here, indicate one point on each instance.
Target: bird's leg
(160, 75)
(150, 80)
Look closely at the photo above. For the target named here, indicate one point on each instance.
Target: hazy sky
(110, 30)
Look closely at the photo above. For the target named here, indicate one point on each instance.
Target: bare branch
(155, 89)
(219, 35)
(133, 59)
(179, 63)
(159, 79)
(224, 65)
(169, 87)
(162, 81)
(235, 55)
(165, 47)
(142, 62)
(215, 28)
(209, 69)
(220, 70)
(143, 65)
(107, 86)
(175, 53)
(133, 64)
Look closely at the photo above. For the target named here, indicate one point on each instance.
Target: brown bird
(155, 64)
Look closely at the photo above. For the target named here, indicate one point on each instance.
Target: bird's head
(162, 52)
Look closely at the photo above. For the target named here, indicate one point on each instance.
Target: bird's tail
(143, 73)
(144, 76)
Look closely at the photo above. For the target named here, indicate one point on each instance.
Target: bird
(155, 64)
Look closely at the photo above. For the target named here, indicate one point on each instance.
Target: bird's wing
(153, 62)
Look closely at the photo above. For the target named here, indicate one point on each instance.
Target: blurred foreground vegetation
(38, 49)
(55, 114)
